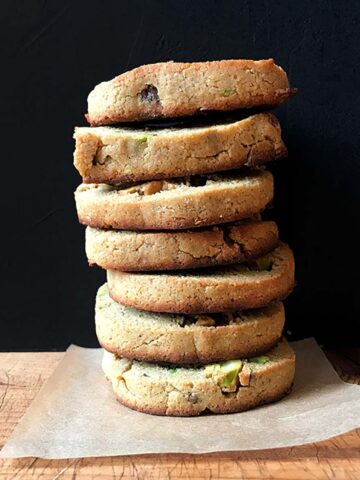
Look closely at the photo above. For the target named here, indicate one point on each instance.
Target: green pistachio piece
(225, 374)
(261, 360)
(227, 92)
(143, 139)
(231, 369)
(264, 263)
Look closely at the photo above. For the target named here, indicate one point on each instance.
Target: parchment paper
(76, 415)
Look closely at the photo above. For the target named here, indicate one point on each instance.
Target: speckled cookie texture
(137, 251)
(113, 155)
(176, 204)
(174, 89)
(186, 391)
(219, 289)
(184, 339)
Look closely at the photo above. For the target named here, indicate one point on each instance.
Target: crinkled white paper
(76, 415)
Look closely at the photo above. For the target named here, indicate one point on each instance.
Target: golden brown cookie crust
(153, 389)
(139, 251)
(176, 204)
(220, 289)
(113, 155)
(184, 339)
(172, 89)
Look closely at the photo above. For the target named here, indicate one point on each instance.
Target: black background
(52, 55)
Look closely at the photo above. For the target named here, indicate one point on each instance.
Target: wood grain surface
(22, 374)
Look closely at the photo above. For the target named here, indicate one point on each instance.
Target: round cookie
(138, 251)
(183, 339)
(219, 289)
(172, 89)
(232, 386)
(176, 204)
(114, 155)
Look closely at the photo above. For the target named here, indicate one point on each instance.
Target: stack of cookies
(191, 317)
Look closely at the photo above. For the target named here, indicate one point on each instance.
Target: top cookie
(171, 89)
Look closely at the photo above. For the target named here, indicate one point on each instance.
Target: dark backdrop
(52, 55)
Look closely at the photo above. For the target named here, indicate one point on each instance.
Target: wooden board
(22, 374)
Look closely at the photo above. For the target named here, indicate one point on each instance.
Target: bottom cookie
(231, 386)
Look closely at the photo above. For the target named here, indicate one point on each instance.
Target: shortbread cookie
(220, 289)
(176, 204)
(163, 337)
(171, 89)
(231, 386)
(137, 251)
(113, 155)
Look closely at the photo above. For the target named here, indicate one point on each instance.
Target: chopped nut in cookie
(225, 374)
(148, 188)
(152, 187)
(192, 398)
(204, 321)
(244, 376)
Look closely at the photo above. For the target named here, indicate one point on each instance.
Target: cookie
(227, 387)
(183, 339)
(113, 155)
(172, 250)
(219, 289)
(171, 89)
(176, 204)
